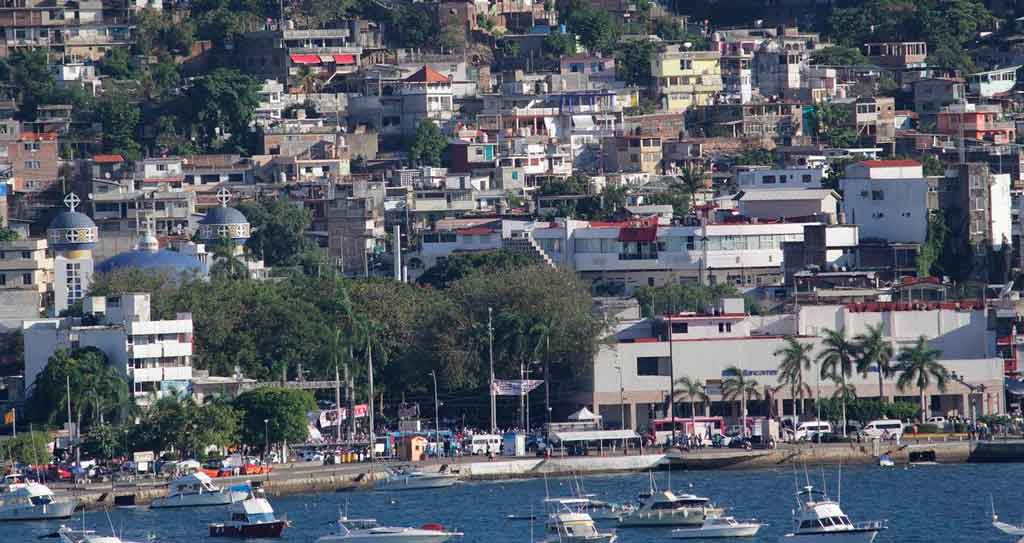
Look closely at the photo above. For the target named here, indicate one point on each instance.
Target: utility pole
(337, 399)
(547, 377)
(522, 397)
(671, 381)
(369, 364)
(490, 356)
(437, 416)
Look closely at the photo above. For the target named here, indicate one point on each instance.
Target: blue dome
(163, 260)
(223, 215)
(71, 219)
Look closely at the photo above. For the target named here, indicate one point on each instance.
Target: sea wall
(539, 467)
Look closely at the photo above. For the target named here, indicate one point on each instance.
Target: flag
(514, 387)
(9, 417)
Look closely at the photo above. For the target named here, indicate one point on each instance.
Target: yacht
(368, 531)
(821, 520)
(69, 535)
(197, 489)
(253, 517)
(668, 509)
(417, 480)
(597, 509)
(575, 527)
(718, 527)
(32, 501)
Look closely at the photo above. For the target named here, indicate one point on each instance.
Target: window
(650, 281)
(161, 167)
(768, 180)
(33, 164)
(680, 327)
(806, 178)
(26, 254)
(647, 365)
(31, 146)
(26, 278)
(685, 64)
(878, 195)
(3, 279)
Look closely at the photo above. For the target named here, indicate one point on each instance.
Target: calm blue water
(924, 504)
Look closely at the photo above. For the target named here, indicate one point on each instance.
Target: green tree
(221, 104)
(690, 390)
(795, 360)
(596, 28)
(838, 56)
(118, 64)
(671, 29)
(559, 44)
(873, 350)
(226, 264)
(101, 442)
(7, 234)
(97, 389)
(755, 156)
(320, 13)
(932, 165)
(919, 366)
(33, 80)
(428, 145)
(120, 120)
(633, 62)
(930, 253)
(836, 360)
(160, 78)
(279, 228)
(445, 274)
(284, 411)
(683, 297)
(738, 387)
(26, 449)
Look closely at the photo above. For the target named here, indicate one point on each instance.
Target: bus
(704, 426)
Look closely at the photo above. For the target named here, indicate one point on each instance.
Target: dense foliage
(678, 298)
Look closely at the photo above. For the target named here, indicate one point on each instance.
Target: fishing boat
(666, 508)
(820, 520)
(718, 527)
(369, 531)
(197, 490)
(252, 517)
(575, 527)
(26, 500)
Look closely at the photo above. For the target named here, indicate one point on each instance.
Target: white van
(883, 429)
(810, 430)
(484, 443)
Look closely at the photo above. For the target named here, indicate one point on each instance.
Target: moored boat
(253, 517)
(197, 490)
(821, 520)
(33, 501)
(718, 527)
(369, 531)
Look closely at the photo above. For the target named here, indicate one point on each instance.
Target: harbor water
(947, 503)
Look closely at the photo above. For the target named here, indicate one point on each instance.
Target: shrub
(927, 429)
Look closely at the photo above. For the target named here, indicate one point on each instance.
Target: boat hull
(260, 530)
(716, 533)
(693, 517)
(205, 499)
(54, 510)
(417, 536)
(413, 483)
(846, 536)
(602, 538)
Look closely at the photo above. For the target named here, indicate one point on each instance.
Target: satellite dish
(687, 45)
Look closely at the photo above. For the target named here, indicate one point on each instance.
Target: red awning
(305, 59)
(344, 59)
(639, 234)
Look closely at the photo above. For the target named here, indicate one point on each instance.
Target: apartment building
(154, 356)
(887, 199)
(632, 153)
(899, 55)
(683, 78)
(26, 281)
(980, 122)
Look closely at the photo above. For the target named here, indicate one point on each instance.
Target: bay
(947, 503)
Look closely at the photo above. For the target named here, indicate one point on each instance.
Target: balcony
(638, 256)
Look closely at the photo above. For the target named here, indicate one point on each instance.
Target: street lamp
(266, 438)
(622, 396)
(978, 390)
(437, 417)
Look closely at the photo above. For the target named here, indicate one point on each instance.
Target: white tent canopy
(583, 415)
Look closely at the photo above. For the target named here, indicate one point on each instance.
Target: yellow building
(683, 79)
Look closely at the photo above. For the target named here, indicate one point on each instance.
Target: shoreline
(303, 479)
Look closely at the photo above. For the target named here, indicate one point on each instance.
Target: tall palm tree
(691, 390)
(795, 359)
(226, 264)
(918, 366)
(837, 360)
(873, 349)
(737, 387)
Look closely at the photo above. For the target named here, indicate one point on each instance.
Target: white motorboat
(417, 480)
(575, 527)
(718, 527)
(597, 509)
(1006, 528)
(368, 531)
(197, 490)
(821, 520)
(33, 501)
(253, 517)
(668, 509)
(886, 461)
(69, 535)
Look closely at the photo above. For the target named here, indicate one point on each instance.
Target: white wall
(1002, 222)
(900, 215)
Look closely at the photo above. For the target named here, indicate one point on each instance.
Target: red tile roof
(107, 159)
(890, 163)
(426, 74)
(475, 231)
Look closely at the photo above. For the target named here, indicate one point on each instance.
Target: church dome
(224, 222)
(71, 230)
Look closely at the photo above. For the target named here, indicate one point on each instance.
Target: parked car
(883, 429)
(808, 431)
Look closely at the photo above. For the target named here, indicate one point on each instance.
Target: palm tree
(691, 390)
(737, 386)
(226, 264)
(837, 360)
(307, 79)
(873, 349)
(795, 359)
(690, 180)
(918, 366)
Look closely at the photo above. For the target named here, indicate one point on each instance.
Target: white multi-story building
(790, 178)
(641, 253)
(704, 345)
(154, 356)
(887, 199)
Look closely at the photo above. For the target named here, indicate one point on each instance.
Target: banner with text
(515, 387)
(330, 416)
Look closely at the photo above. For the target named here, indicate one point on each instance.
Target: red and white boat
(252, 517)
